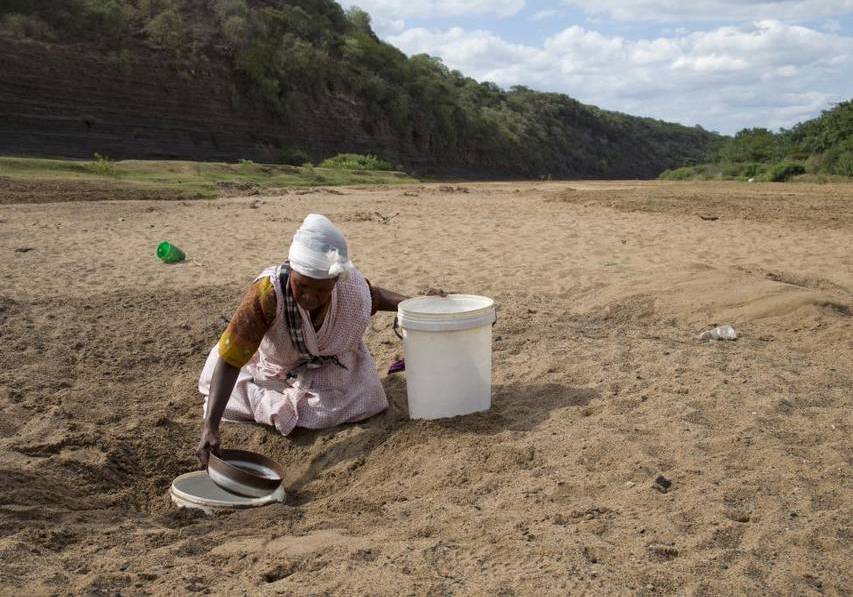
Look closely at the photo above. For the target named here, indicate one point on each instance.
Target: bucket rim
(479, 311)
(478, 305)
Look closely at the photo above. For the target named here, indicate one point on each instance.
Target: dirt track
(599, 387)
(16, 190)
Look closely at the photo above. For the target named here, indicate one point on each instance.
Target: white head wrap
(319, 250)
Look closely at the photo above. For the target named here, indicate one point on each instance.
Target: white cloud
(402, 9)
(384, 26)
(766, 73)
(542, 15)
(725, 10)
(832, 25)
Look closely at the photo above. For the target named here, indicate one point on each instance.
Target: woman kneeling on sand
(293, 354)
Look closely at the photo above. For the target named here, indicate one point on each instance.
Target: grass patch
(193, 178)
(701, 172)
(354, 161)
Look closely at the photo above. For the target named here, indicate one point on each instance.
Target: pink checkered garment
(317, 398)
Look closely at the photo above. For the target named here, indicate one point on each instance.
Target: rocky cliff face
(70, 100)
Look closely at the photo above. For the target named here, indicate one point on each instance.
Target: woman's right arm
(221, 386)
(236, 347)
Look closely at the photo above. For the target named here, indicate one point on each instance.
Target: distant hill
(821, 146)
(277, 81)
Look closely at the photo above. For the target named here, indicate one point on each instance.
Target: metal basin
(245, 473)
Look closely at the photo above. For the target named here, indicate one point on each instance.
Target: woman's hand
(435, 292)
(209, 444)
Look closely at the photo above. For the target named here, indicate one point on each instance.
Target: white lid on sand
(197, 490)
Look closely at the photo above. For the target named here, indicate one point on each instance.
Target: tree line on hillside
(821, 146)
(289, 56)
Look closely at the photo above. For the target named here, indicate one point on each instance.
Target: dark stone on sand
(662, 484)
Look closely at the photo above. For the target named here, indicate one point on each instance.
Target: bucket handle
(396, 325)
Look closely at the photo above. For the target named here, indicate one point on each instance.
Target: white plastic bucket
(448, 346)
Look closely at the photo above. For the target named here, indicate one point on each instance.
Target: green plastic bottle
(170, 253)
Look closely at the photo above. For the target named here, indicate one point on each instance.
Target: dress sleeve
(250, 323)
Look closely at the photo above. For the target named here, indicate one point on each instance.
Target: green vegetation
(299, 58)
(293, 156)
(103, 165)
(354, 161)
(203, 179)
(822, 148)
(703, 172)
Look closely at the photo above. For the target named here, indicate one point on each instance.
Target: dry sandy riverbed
(599, 387)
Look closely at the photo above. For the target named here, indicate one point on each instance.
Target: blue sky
(723, 64)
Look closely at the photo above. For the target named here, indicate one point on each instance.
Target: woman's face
(310, 293)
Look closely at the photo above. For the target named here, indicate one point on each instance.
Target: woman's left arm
(385, 300)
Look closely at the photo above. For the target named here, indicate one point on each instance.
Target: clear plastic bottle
(721, 332)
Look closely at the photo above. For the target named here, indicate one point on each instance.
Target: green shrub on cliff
(167, 29)
(106, 21)
(751, 145)
(20, 26)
